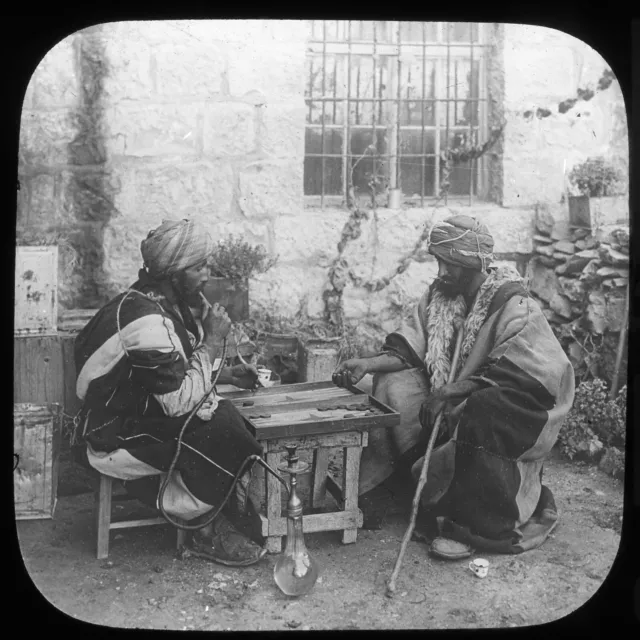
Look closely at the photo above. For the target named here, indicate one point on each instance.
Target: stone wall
(581, 281)
(128, 123)
(125, 124)
(387, 237)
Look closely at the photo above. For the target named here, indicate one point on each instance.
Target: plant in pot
(232, 264)
(596, 196)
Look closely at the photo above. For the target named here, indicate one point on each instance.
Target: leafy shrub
(596, 177)
(594, 421)
(237, 260)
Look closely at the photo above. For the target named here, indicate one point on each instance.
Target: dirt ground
(144, 585)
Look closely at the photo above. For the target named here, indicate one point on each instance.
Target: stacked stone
(580, 280)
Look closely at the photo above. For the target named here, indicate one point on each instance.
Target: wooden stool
(349, 517)
(104, 523)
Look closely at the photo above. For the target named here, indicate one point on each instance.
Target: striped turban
(174, 246)
(463, 241)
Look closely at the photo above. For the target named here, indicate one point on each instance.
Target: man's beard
(189, 295)
(448, 288)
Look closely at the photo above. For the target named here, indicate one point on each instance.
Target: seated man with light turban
(143, 364)
(512, 390)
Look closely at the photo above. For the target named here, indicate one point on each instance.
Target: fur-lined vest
(437, 320)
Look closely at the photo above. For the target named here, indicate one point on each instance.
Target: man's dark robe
(485, 481)
(139, 358)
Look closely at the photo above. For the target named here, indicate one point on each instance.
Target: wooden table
(305, 415)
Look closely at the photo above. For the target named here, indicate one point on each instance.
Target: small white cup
(264, 376)
(480, 567)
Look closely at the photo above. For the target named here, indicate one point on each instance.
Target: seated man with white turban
(143, 364)
(513, 388)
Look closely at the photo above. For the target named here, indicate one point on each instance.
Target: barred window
(386, 99)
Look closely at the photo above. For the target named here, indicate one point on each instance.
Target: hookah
(296, 571)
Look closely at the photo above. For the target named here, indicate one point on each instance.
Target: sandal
(450, 549)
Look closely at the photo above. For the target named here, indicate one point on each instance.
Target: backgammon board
(310, 408)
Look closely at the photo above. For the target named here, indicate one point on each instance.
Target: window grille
(410, 89)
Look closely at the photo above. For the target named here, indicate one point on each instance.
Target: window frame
(443, 52)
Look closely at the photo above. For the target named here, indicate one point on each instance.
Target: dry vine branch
(340, 273)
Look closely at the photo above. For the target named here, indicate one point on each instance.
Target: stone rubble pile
(580, 280)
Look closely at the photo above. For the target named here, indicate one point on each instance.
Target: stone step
(564, 246)
(545, 250)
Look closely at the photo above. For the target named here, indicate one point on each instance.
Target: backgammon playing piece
(265, 415)
(324, 408)
(342, 406)
(247, 403)
(348, 415)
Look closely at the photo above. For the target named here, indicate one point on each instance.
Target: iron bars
(386, 101)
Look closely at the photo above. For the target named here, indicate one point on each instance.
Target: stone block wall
(125, 124)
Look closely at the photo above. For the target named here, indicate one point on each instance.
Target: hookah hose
(213, 513)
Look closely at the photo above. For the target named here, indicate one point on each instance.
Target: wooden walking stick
(391, 585)
(621, 341)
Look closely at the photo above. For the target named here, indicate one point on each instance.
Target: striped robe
(141, 369)
(485, 480)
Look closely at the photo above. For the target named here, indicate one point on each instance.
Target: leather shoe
(227, 545)
(449, 549)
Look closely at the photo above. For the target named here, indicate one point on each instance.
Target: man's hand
(215, 323)
(245, 376)
(350, 372)
(432, 406)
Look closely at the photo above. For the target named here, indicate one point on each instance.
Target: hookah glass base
(296, 571)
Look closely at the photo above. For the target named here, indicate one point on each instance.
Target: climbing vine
(582, 94)
(352, 230)
(340, 273)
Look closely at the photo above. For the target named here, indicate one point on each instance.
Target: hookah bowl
(296, 571)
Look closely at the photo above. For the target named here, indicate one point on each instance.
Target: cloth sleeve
(396, 345)
(409, 342)
(159, 365)
(195, 383)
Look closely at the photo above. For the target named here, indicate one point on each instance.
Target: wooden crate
(317, 360)
(36, 281)
(38, 369)
(594, 213)
(36, 441)
(44, 372)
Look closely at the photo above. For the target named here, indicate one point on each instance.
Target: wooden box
(38, 369)
(594, 213)
(318, 359)
(304, 409)
(36, 441)
(36, 281)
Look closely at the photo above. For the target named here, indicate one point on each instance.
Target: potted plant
(232, 264)
(596, 198)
